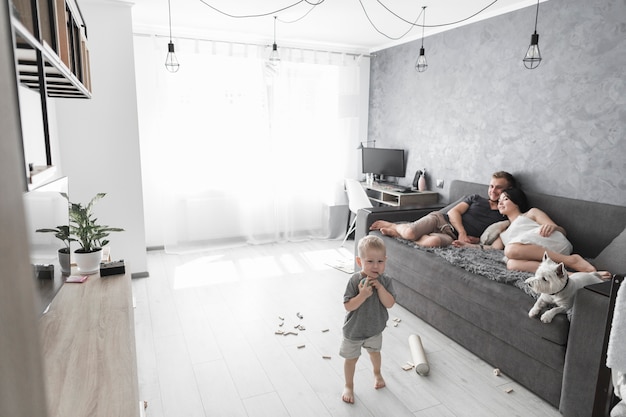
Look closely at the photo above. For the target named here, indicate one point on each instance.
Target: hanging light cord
(169, 11)
(413, 24)
(423, 24)
(317, 3)
(536, 16)
(273, 12)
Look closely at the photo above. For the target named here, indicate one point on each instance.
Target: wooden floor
(206, 344)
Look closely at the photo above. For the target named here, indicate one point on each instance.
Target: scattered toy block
(301, 346)
(496, 372)
(508, 390)
(325, 357)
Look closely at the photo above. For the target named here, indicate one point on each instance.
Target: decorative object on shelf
(421, 183)
(90, 236)
(171, 62)
(63, 234)
(421, 65)
(533, 56)
(373, 142)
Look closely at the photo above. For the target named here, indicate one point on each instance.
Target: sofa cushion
(612, 257)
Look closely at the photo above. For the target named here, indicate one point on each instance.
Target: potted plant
(90, 235)
(63, 234)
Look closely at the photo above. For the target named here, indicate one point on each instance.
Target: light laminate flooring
(205, 326)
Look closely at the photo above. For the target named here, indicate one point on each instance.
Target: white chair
(357, 199)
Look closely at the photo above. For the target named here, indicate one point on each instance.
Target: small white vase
(88, 263)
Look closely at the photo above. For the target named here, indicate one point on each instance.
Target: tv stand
(386, 195)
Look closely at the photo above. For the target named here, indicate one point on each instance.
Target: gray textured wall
(561, 128)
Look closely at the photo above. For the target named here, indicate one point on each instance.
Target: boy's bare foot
(379, 382)
(348, 395)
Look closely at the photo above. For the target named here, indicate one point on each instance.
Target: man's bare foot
(580, 264)
(390, 231)
(379, 382)
(379, 224)
(348, 395)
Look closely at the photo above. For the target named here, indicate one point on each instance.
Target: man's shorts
(351, 349)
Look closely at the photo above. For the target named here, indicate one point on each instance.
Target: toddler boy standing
(368, 295)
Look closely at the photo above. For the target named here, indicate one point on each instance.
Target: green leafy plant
(84, 227)
(63, 234)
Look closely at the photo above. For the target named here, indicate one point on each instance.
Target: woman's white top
(525, 230)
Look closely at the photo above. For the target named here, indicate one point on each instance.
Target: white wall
(99, 138)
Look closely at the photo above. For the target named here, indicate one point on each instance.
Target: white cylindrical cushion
(418, 355)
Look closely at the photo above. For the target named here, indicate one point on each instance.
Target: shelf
(60, 81)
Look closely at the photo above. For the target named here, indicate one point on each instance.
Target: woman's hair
(370, 242)
(508, 177)
(518, 197)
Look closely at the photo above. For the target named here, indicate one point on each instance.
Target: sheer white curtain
(234, 155)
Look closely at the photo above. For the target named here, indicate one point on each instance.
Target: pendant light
(274, 58)
(421, 65)
(533, 56)
(171, 62)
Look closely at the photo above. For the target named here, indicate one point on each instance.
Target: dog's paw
(534, 312)
(547, 317)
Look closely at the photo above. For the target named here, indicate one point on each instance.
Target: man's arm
(455, 216)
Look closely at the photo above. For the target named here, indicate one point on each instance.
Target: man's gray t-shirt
(479, 215)
(371, 317)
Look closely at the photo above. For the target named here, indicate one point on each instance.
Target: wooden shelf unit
(392, 198)
(88, 346)
(59, 44)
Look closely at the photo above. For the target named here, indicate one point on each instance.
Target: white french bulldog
(555, 286)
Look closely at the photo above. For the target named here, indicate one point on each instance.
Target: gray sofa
(490, 318)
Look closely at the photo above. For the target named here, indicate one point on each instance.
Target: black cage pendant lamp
(533, 56)
(274, 58)
(421, 65)
(171, 62)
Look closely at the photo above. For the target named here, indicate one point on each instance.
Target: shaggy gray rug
(488, 263)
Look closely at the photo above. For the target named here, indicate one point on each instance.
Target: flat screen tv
(383, 162)
(46, 207)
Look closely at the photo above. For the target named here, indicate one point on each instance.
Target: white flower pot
(64, 261)
(88, 263)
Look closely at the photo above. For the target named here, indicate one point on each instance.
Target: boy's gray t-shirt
(371, 317)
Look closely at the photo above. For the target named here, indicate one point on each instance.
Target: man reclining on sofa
(465, 222)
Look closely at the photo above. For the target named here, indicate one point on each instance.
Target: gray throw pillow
(612, 257)
(492, 232)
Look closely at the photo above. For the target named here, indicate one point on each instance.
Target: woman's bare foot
(379, 382)
(348, 395)
(605, 275)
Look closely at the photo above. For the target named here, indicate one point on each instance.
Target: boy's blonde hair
(370, 242)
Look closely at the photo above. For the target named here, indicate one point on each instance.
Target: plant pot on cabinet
(88, 263)
(64, 261)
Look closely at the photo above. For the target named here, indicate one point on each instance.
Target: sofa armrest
(367, 216)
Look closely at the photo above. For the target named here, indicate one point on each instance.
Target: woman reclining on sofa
(532, 232)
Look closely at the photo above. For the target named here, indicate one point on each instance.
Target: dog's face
(549, 278)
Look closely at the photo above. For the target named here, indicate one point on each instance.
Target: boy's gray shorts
(351, 349)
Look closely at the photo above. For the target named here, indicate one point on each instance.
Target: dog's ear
(545, 256)
(561, 272)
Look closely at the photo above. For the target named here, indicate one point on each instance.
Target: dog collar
(566, 282)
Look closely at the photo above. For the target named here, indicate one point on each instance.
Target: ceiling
(334, 25)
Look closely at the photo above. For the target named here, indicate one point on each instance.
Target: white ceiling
(335, 25)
